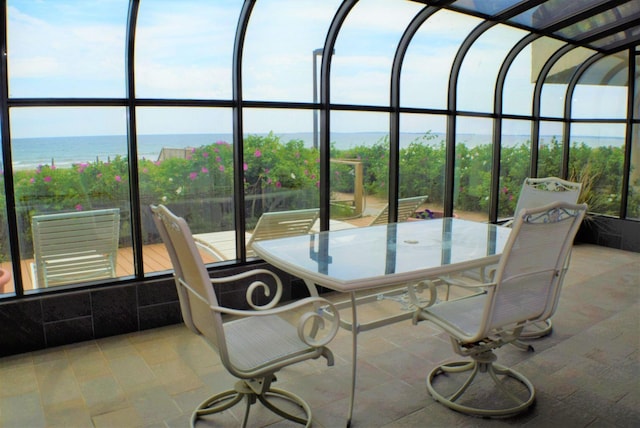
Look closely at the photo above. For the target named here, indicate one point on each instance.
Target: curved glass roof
(606, 26)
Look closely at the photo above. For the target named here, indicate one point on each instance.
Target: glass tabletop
(360, 258)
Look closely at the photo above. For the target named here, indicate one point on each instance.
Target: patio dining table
(369, 258)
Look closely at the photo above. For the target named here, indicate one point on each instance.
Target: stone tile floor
(587, 372)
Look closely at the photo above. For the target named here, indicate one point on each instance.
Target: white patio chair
(535, 192)
(258, 342)
(74, 246)
(525, 289)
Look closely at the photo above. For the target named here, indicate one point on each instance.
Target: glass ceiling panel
(570, 20)
(493, 7)
(601, 22)
(622, 38)
(554, 11)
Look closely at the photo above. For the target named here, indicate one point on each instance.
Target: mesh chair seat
(262, 341)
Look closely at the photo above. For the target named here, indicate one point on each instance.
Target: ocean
(28, 153)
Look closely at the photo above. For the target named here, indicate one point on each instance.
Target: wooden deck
(156, 259)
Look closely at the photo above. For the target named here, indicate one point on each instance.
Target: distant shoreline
(29, 153)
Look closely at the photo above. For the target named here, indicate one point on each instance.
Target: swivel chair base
(242, 391)
(483, 363)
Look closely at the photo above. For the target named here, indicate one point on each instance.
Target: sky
(75, 48)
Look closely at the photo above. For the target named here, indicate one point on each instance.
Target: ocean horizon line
(31, 152)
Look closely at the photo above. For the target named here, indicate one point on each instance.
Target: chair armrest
(255, 285)
(309, 322)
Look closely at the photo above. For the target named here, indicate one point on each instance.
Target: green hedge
(285, 175)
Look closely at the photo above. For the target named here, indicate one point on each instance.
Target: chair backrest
(529, 275)
(195, 290)
(406, 208)
(536, 192)
(75, 246)
(280, 224)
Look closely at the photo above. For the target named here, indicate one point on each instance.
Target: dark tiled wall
(46, 321)
(610, 232)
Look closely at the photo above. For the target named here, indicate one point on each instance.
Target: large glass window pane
(427, 65)
(550, 149)
(552, 98)
(472, 181)
(515, 159)
(186, 163)
(184, 49)
(636, 96)
(633, 201)
(7, 284)
(363, 138)
(481, 64)
(601, 92)
(74, 160)
(422, 159)
(63, 49)
(596, 159)
(517, 96)
(361, 67)
(281, 166)
(283, 41)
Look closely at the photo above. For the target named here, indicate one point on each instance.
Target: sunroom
(227, 110)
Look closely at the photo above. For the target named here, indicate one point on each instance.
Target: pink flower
(78, 207)
(204, 170)
(266, 170)
(47, 179)
(268, 181)
(505, 190)
(118, 178)
(245, 166)
(257, 153)
(99, 175)
(189, 157)
(193, 175)
(318, 184)
(145, 170)
(157, 163)
(33, 180)
(278, 184)
(205, 154)
(218, 159)
(221, 168)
